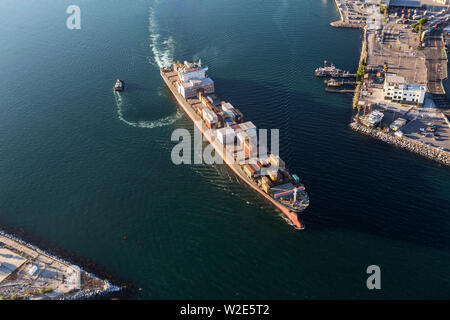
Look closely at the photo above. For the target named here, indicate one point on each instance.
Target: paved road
(435, 62)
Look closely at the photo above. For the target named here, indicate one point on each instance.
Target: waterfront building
(373, 119)
(396, 89)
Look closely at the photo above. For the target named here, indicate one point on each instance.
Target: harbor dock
(400, 74)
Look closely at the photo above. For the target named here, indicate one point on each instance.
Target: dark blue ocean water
(81, 168)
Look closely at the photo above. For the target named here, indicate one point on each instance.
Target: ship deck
(170, 78)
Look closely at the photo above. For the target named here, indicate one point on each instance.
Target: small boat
(333, 83)
(119, 85)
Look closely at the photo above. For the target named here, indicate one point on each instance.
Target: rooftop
(394, 78)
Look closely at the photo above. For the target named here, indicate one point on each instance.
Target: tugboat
(119, 85)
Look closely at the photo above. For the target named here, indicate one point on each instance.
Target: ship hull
(292, 217)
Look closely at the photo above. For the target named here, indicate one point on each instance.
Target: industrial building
(396, 89)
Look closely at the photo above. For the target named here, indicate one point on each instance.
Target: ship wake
(125, 110)
(162, 48)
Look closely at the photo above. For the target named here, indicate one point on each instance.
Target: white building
(373, 119)
(397, 90)
(190, 88)
(192, 78)
(191, 72)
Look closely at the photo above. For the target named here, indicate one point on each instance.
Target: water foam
(162, 50)
(123, 104)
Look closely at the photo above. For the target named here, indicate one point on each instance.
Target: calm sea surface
(80, 168)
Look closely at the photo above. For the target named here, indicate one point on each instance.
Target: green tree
(362, 68)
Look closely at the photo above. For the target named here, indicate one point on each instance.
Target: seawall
(405, 143)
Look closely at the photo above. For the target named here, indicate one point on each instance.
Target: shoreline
(13, 242)
(406, 143)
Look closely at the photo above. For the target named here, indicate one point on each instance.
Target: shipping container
(272, 173)
(228, 121)
(209, 115)
(247, 125)
(199, 111)
(225, 135)
(219, 121)
(249, 171)
(231, 114)
(265, 188)
(236, 127)
(264, 160)
(266, 180)
(226, 106)
(257, 170)
(250, 150)
(239, 115)
(276, 161)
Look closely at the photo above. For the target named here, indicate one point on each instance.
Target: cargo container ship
(235, 140)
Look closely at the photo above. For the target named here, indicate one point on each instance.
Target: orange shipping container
(249, 171)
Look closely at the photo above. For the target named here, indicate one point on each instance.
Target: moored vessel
(333, 83)
(331, 71)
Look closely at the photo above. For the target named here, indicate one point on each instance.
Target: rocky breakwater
(29, 273)
(405, 143)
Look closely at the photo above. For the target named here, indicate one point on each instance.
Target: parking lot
(352, 11)
(419, 129)
(396, 46)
